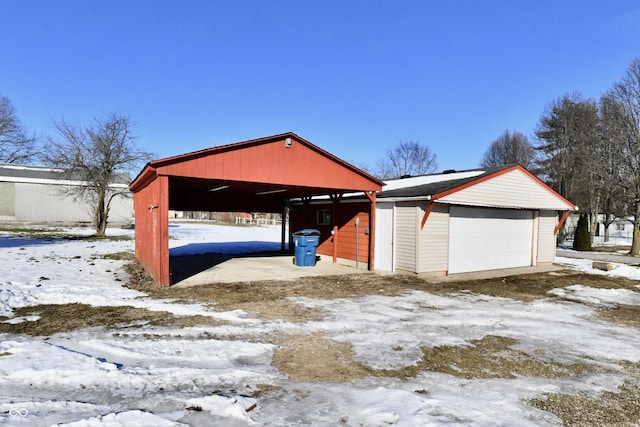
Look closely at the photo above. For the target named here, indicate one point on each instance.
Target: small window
(324, 217)
(620, 226)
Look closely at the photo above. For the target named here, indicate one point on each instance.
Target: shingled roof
(429, 185)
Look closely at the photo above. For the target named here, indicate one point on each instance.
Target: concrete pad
(248, 269)
(281, 267)
(490, 274)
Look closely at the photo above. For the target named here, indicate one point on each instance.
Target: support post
(426, 215)
(335, 199)
(561, 222)
(162, 232)
(283, 228)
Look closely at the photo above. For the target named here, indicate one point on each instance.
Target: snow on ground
(202, 238)
(150, 375)
(586, 265)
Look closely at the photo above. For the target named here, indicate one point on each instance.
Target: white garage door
(489, 239)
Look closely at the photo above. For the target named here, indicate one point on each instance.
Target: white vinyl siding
(489, 239)
(434, 241)
(7, 201)
(47, 203)
(513, 189)
(406, 217)
(546, 239)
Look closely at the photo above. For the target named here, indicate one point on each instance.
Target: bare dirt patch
(316, 358)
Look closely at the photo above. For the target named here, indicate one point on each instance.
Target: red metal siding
(346, 213)
(298, 165)
(152, 240)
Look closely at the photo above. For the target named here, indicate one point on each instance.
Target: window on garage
(323, 217)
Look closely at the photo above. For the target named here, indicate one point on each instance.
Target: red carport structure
(261, 175)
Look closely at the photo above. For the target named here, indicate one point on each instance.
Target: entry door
(489, 239)
(384, 237)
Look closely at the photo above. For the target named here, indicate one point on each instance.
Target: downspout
(371, 195)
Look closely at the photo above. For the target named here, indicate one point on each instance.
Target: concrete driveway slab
(255, 268)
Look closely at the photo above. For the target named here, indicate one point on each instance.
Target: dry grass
(315, 358)
(270, 299)
(51, 233)
(627, 315)
(56, 318)
(121, 256)
(621, 409)
(529, 287)
(489, 357)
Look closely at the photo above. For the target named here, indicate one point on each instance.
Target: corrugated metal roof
(34, 172)
(12, 172)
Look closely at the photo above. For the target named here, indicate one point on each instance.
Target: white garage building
(473, 220)
(34, 194)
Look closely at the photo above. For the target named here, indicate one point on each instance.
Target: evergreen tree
(582, 238)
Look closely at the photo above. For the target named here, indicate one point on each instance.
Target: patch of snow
(597, 297)
(134, 418)
(586, 265)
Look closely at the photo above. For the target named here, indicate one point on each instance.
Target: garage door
(489, 239)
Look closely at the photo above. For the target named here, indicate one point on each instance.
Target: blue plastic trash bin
(305, 243)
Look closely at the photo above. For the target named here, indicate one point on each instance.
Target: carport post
(335, 199)
(283, 228)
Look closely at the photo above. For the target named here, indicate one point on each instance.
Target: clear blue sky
(352, 76)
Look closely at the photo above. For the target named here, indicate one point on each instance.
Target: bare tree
(508, 149)
(407, 158)
(15, 145)
(610, 157)
(627, 93)
(100, 155)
